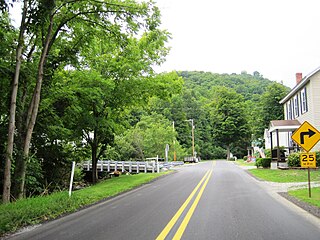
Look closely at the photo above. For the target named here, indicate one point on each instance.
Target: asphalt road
(210, 200)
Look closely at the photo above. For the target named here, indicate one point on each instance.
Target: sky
(277, 38)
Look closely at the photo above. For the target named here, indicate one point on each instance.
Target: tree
(270, 103)
(148, 139)
(12, 114)
(228, 118)
(51, 21)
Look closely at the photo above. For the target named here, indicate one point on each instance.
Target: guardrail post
(145, 167)
(130, 167)
(108, 167)
(101, 167)
(138, 167)
(158, 169)
(123, 166)
(115, 166)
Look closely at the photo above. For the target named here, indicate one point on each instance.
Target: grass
(303, 195)
(241, 162)
(283, 176)
(38, 209)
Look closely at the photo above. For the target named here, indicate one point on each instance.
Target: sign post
(307, 136)
(308, 160)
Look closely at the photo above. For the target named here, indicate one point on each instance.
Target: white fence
(130, 166)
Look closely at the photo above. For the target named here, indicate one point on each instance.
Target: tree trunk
(228, 152)
(94, 164)
(20, 172)
(12, 117)
(94, 150)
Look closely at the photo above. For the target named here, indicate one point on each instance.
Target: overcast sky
(277, 38)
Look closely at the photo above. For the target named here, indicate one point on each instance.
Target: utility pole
(174, 144)
(192, 132)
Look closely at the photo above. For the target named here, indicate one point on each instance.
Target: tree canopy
(77, 83)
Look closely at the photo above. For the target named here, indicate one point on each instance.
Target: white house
(302, 103)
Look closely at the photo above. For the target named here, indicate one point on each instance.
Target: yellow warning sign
(306, 136)
(308, 160)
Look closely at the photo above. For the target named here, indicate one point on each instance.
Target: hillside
(245, 84)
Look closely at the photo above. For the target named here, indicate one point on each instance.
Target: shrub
(245, 158)
(263, 162)
(232, 159)
(294, 160)
(267, 152)
(318, 158)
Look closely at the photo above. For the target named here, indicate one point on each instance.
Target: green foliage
(270, 103)
(285, 175)
(228, 117)
(294, 160)
(263, 162)
(303, 195)
(217, 152)
(318, 158)
(148, 139)
(34, 177)
(267, 152)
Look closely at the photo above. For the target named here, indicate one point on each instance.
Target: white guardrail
(130, 166)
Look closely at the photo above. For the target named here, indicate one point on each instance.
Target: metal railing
(130, 166)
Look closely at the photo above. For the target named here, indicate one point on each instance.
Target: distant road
(209, 200)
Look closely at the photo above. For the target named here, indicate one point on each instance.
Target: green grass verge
(36, 210)
(285, 175)
(241, 162)
(303, 195)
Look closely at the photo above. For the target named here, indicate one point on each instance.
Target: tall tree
(12, 115)
(228, 115)
(270, 103)
(49, 21)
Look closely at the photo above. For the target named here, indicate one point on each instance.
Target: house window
(304, 105)
(290, 139)
(296, 106)
(289, 111)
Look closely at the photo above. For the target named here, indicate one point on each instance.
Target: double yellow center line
(189, 214)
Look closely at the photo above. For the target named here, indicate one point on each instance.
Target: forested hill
(245, 84)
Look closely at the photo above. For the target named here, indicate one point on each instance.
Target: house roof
(299, 86)
(284, 125)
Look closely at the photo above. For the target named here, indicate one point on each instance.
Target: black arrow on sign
(310, 133)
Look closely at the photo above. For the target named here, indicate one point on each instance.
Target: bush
(232, 159)
(294, 160)
(245, 158)
(263, 162)
(318, 158)
(267, 152)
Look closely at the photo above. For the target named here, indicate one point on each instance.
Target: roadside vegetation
(303, 195)
(242, 162)
(293, 175)
(78, 83)
(283, 176)
(35, 210)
